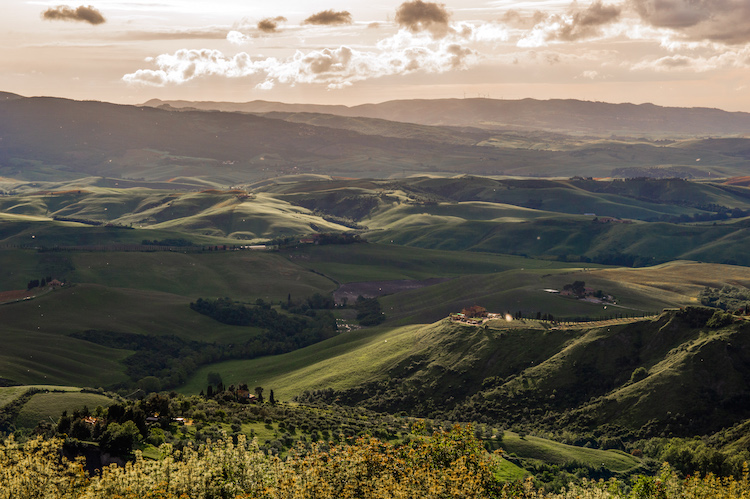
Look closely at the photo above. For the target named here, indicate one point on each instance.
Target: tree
(639, 374)
(149, 384)
(214, 379)
(120, 438)
(271, 399)
(578, 288)
(369, 312)
(259, 394)
(475, 311)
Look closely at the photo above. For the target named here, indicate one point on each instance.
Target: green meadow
(48, 406)
(549, 451)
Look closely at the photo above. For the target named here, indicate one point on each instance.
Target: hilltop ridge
(569, 115)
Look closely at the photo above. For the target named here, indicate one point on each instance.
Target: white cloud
(739, 58)
(401, 54)
(237, 38)
(266, 85)
(484, 32)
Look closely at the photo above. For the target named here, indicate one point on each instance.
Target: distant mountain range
(564, 115)
(46, 138)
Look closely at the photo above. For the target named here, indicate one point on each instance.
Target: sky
(682, 53)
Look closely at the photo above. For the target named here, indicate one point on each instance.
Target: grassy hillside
(549, 451)
(48, 406)
(608, 243)
(558, 219)
(551, 376)
(380, 262)
(342, 362)
(223, 214)
(526, 291)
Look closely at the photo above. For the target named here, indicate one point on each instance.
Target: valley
(180, 267)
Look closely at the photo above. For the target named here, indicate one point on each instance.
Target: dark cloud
(515, 19)
(419, 16)
(586, 23)
(726, 21)
(81, 14)
(458, 55)
(271, 24)
(673, 13)
(675, 62)
(329, 17)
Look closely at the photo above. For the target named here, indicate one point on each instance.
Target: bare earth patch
(22, 294)
(16, 295)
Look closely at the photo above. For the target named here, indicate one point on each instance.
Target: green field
(381, 262)
(341, 362)
(549, 451)
(10, 393)
(49, 406)
(525, 291)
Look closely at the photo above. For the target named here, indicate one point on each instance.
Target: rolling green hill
(560, 377)
(124, 319)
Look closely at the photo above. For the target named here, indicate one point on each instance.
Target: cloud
(187, 64)
(576, 24)
(207, 33)
(271, 24)
(725, 21)
(738, 59)
(417, 16)
(79, 14)
(329, 17)
(515, 19)
(585, 23)
(402, 54)
(590, 74)
(237, 38)
(484, 32)
(673, 13)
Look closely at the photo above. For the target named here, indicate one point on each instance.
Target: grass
(574, 237)
(88, 306)
(33, 357)
(524, 290)
(49, 406)
(36, 232)
(342, 362)
(241, 275)
(549, 451)
(261, 431)
(216, 214)
(10, 393)
(506, 471)
(380, 262)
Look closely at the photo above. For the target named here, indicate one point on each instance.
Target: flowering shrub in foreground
(445, 465)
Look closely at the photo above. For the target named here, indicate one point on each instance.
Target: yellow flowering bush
(447, 464)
